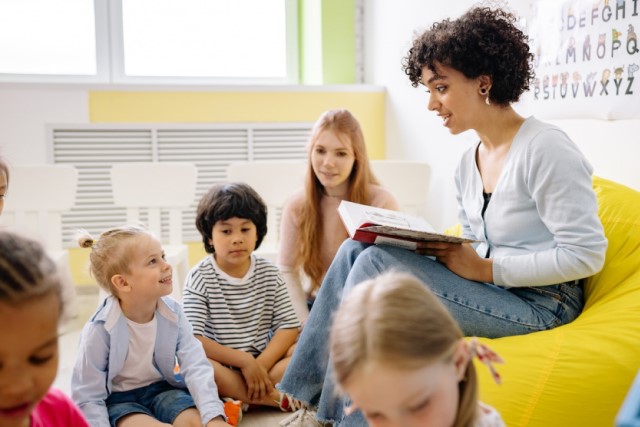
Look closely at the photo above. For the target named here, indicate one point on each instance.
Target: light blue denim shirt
(103, 348)
(542, 224)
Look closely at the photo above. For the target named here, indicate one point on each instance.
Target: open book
(369, 224)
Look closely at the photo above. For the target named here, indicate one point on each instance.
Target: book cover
(378, 226)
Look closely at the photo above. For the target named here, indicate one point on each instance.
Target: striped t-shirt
(242, 314)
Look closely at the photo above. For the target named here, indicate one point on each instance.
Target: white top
(243, 313)
(139, 370)
(542, 224)
(488, 417)
(103, 349)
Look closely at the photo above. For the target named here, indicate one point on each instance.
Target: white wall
(415, 133)
(412, 131)
(612, 146)
(24, 112)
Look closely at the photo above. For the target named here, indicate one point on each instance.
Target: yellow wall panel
(245, 106)
(79, 263)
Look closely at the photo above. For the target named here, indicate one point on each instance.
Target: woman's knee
(375, 260)
(350, 250)
(372, 261)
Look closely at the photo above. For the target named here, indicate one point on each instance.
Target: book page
(389, 218)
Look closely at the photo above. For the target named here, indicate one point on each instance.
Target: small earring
(485, 92)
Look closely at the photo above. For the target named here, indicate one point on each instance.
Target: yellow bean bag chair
(578, 374)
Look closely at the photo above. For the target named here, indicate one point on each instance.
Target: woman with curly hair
(524, 193)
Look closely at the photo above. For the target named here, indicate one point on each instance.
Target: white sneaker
(303, 418)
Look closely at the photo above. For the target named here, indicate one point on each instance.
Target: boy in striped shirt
(237, 302)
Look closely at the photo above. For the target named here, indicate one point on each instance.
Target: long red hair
(344, 124)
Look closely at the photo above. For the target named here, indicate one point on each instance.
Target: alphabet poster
(586, 58)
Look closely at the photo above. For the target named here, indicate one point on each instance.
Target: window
(48, 40)
(205, 38)
(149, 41)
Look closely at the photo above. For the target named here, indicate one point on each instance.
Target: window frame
(110, 57)
(101, 19)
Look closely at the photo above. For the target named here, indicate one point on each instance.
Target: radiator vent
(92, 149)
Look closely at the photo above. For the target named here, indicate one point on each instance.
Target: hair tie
(487, 356)
(86, 242)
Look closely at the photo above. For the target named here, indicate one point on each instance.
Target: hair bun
(84, 239)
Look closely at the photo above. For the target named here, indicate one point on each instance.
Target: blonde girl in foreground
(311, 230)
(401, 358)
(124, 373)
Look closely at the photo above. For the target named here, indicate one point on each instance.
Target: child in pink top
(56, 409)
(30, 308)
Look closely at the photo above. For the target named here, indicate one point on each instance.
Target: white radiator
(93, 148)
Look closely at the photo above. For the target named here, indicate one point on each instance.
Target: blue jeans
(481, 309)
(159, 400)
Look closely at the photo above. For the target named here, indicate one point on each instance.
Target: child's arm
(255, 375)
(285, 323)
(89, 377)
(223, 354)
(282, 340)
(197, 373)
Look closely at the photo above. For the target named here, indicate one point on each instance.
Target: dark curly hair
(229, 200)
(26, 271)
(483, 41)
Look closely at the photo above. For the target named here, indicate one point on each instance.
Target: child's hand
(218, 422)
(257, 379)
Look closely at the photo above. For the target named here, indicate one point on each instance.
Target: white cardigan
(542, 224)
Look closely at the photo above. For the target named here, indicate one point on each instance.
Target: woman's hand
(257, 378)
(461, 259)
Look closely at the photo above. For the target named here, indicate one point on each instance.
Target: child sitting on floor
(124, 373)
(30, 309)
(401, 358)
(237, 302)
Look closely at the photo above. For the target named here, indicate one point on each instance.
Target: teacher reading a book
(524, 193)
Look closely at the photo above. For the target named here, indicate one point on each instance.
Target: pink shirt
(57, 410)
(334, 233)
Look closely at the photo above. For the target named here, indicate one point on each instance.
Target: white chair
(275, 181)
(38, 195)
(407, 180)
(153, 187)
